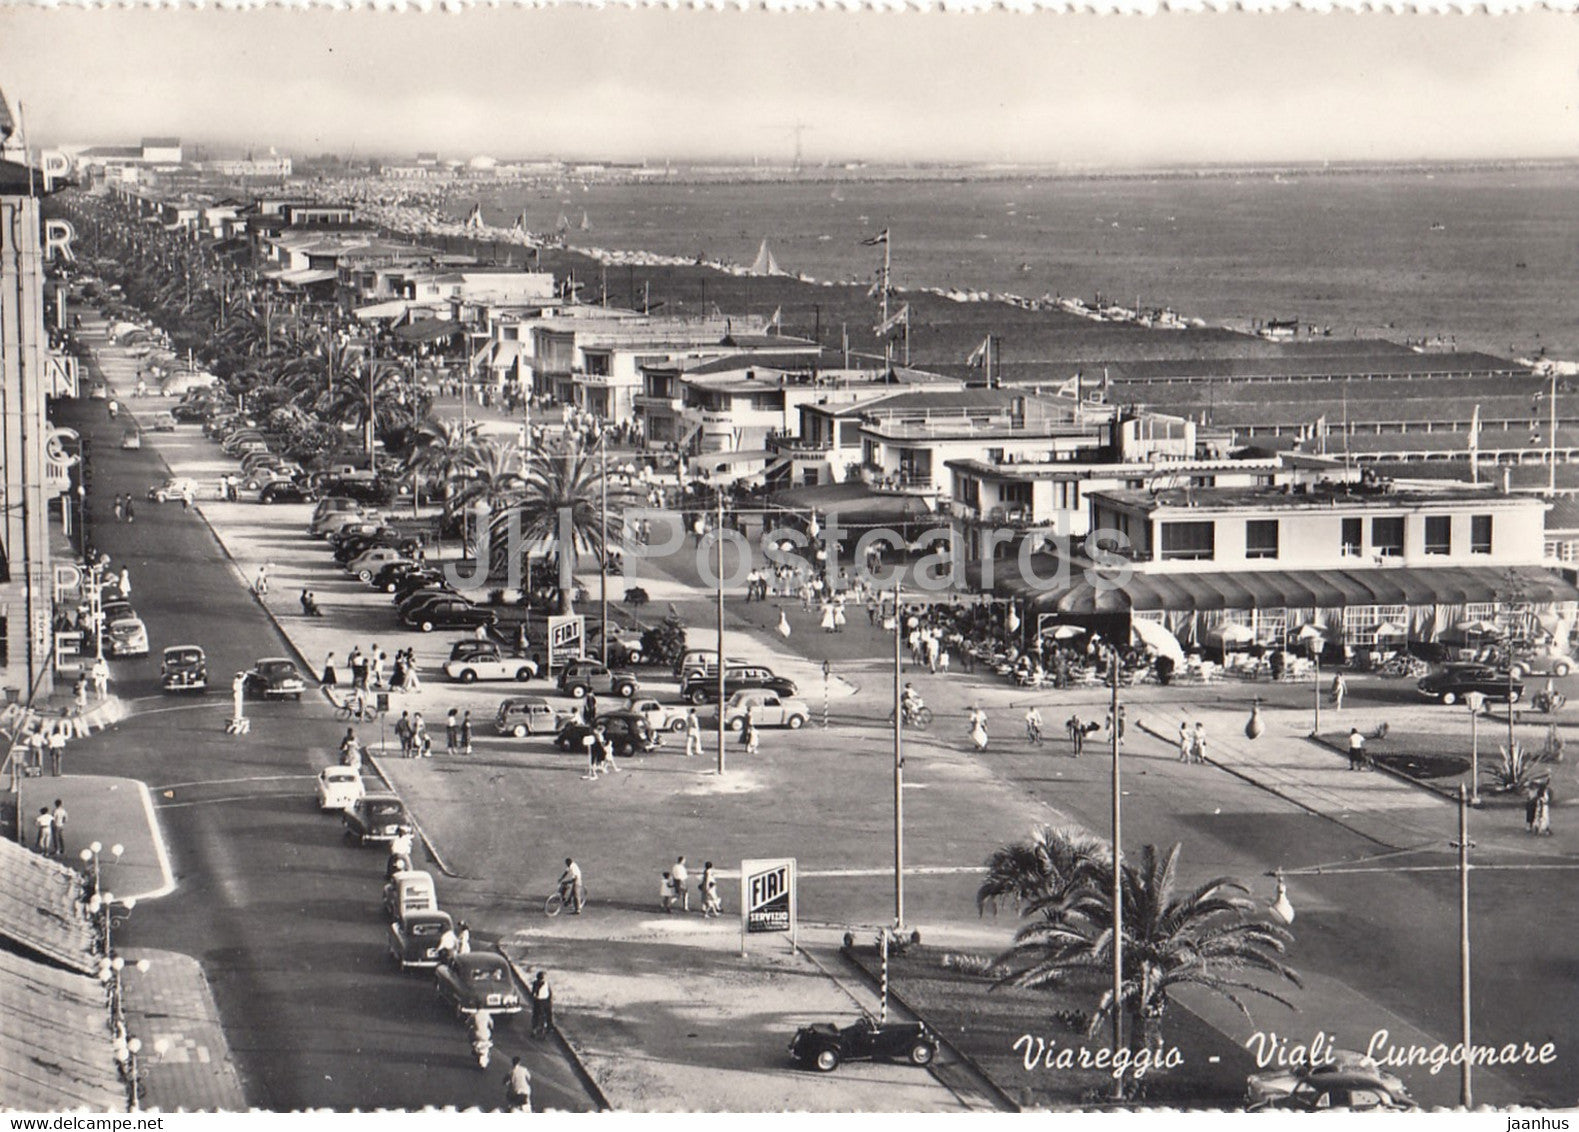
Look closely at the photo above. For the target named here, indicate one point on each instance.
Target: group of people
(368, 669)
(50, 830)
(673, 890)
(124, 512)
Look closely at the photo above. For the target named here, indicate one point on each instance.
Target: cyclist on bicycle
(910, 702)
(570, 887)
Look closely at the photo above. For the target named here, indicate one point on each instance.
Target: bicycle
(920, 718)
(556, 900)
(347, 709)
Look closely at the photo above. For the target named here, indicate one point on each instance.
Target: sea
(1484, 259)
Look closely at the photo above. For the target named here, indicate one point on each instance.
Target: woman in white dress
(978, 728)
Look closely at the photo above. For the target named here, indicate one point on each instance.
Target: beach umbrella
(1388, 629)
(1233, 634)
(1480, 628)
(1066, 632)
(1311, 632)
(1155, 636)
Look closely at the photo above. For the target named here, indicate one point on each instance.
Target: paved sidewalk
(111, 811)
(185, 1055)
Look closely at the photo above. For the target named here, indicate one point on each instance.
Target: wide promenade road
(284, 917)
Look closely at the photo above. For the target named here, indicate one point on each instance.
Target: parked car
(262, 476)
(184, 669)
(126, 637)
(372, 560)
(190, 412)
(117, 611)
(420, 598)
(1529, 660)
(274, 678)
(702, 687)
(414, 938)
(582, 676)
(1263, 1087)
(627, 733)
(326, 526)
(1339, 1092)
(131, 438)
(409, 890)
(172, 489)
(823, 1046)
(692, 661)
(1453, 681)
(285, 491)
(389, 577)
(374, 817)
(451, 613)
(162, 422)
(474, 660)
(479, 980)
(767, 708)
(529, 715)
(660, 717)
(339, 787)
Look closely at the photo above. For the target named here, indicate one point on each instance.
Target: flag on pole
(978, 356)
(776, 322)
(520, 222)
(1070, 388)
(877, 240)
(474, 217)
(879, 284)
(1474, 430)
(898, 318)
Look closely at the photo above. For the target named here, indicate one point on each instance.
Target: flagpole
(888, 341)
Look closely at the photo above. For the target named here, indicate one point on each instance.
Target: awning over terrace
(40, 908)
(55, 1049)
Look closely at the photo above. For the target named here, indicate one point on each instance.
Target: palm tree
(1208, 937)
(371, 395)
(560, 499)
(1040, 868)
(441, 451)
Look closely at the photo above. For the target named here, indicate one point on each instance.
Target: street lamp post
(90, 855)
(1118, 879)
(899, 767)
(718, 550)
(603, 553)
(1316, 645)
(1463, 845)
(1475, 701)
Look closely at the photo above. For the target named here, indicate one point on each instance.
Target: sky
(623, 84)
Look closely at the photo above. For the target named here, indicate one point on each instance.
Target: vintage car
(767, 708)
(117, 611)
(1261, 1088)
(529, 715)
(374, 817)
(414, 938)
(171, 489)
(285, 491)
(410, 890)
(1530, 660)
(184, 669)
(823, 1046)
(126, 637)
(702, 687)
(450, 613)
(582, 676)
(132, 439)
(274, 678)
(627, 733)
(339, 787)
(1355, 1091)
(660, 717)
(474, 660)
(1454, 681)
(479, 980)
(372, 560)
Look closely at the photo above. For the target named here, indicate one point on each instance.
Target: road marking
(174, 707)
(160, 853)
(1562, 866)
(218, 801)
(228, 781)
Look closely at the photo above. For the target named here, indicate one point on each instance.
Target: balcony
(898, 483)
(791, 445)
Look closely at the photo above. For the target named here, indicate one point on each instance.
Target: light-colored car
(660, 717)
(172, 489)
(768, 709)
(410, 890)
(529, 715)
(339, 787)
(333, 521)
(475, 660)
(370, 562)
(1264, 1087)
(126, 637)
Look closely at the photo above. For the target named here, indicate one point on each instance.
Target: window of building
(849, 433)
(1352, 537)
(1015, 495)
(1203, 481)
(1439, 534)
(1361, 622)
(1387, 536)
(1480, 534)
(1194, 541)
(1261, 538)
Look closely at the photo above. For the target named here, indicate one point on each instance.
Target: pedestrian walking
(1114, 725)
(44, 825)
(36, 744)
(466, 733)
(101, 678)
(403, 732)
(120, 509)
(451, 731)
(1033, 726)
(978, 727)
(1356, 749)
(589, 708)
(127, 508)
(708, 887)
(1340, 688)
(124, 582)
(57, 748)
(79, 695)
(542, 1006)
(1076, 730)
(1198, 743)
(57, 827)
(693, 733)
(1542, 826)
(749, 734)
(329, 678)
(679, 875)
(1186, 745)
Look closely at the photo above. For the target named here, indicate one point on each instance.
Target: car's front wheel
(426, 626)
(698, 697)
(677, 725)
(627, 690)
(827, 1060)
(576, 691)
(523, 674)
(1560, 670)
(1449, 698)
(922, 1053)
(796, 722)
(737, 724)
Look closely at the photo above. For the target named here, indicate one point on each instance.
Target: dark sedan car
(285, 491)
(702, 687)
(628, 734)
(450, 613)
(1340, 1092)
(190, 412)
(184, 669)
(414, 939)
(274, 678)
(823, 1046)
(374, 817)
(1453, 681)
(389, 577)
(479, 980)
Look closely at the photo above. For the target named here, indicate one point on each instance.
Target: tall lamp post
(718, 550)
(1118, 878)
(899, 765)
(1475, 702)
(603, 555)
(1317, 644)
(90, 855)
(1463, 845)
